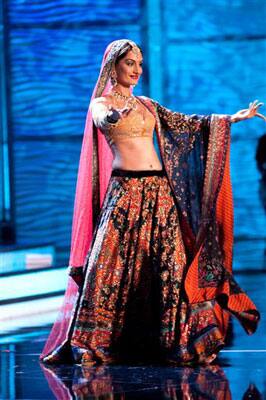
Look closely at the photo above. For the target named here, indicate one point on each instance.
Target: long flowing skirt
(133, 305)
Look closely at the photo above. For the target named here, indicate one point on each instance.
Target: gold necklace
(130, 101)
(120, 95)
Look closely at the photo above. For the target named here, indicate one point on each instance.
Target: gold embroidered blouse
(138, 122)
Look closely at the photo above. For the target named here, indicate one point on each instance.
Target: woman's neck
(124, 90)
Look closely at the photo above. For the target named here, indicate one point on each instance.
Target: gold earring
(113, 80)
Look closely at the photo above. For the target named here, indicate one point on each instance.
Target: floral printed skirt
(133, 305)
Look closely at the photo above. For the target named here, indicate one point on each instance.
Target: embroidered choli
(139, 122)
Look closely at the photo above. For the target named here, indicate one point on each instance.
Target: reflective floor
(239, 373)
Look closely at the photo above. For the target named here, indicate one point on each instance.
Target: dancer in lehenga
(150, 275)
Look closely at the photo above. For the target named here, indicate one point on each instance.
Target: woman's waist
(135, 148)
(137, 162)
(138, 173)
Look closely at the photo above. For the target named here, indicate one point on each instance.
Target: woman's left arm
(193, 123)
(250, 112)
(180, 122)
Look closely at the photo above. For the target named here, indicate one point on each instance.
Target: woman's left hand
(250, 112)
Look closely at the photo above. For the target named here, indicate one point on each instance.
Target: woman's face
(129, 68)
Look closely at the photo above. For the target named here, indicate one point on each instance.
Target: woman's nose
(137, 70)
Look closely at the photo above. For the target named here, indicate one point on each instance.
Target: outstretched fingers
(261, 116)
(255, 105)
(253, 109)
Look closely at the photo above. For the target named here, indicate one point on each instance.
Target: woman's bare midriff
(136, 153)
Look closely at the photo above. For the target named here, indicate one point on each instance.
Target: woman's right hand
(116, 113)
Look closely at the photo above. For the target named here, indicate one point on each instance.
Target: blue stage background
(200, 57)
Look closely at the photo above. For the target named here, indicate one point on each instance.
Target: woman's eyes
(131, 64)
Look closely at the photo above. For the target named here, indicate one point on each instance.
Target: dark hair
(121, 56)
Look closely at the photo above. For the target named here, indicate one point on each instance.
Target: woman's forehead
(134, 55)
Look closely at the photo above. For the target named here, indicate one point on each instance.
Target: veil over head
(94, 172)
(95, 164)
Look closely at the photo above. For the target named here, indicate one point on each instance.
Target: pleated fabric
(134, 271)
(133, 305)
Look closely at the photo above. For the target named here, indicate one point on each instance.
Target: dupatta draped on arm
(195, 151)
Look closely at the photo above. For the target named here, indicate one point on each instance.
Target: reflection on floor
(238, 374)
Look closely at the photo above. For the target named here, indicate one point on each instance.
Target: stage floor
(239, 373)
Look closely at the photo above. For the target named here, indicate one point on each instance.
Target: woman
(150, 274)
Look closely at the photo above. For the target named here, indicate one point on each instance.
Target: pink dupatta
(93, 176)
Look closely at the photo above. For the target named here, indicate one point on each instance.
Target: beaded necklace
(130, 101)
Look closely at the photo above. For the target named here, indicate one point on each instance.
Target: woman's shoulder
(147, 99)
(144, 97)
(103, 101)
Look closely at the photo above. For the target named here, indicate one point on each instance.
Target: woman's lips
(134, 76)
